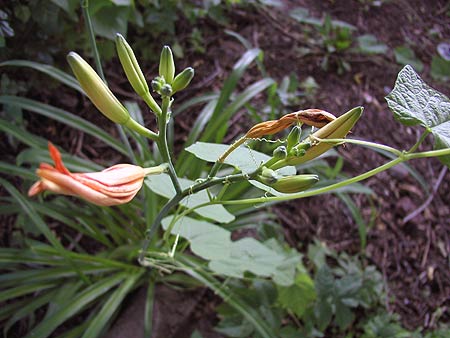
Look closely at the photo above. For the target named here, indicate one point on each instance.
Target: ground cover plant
(113, 270)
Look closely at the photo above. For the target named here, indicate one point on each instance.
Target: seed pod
(130, 66)
(293, 184)
(338, 128)
(167, 65)
(183, 79)
(97, 91)
(280, 152)
(293, 137)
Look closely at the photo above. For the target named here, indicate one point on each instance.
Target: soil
(412, 250)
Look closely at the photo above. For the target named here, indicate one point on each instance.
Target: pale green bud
(267, 176)
(97, 91)
(130, 66)
(293, 184)
(183, 79)
(293, 137)
(167, 65)
(166, 90)
(280, 152)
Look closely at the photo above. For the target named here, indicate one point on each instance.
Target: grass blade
(75, 305)
(40, 224)
(148, 314)
(111, 305)
(196, 271)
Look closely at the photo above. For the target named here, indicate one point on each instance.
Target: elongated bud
(293, 137)
(336, 129)
(130, 66)
(280, 152)
(293, 184)
(97, 91)
(167, 65)
(183, 79)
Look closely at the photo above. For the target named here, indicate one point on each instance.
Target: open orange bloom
(112, 186)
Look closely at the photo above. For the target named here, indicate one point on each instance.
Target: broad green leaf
(55, 73)
(413, 102)
(299, 296)
(243, 158)
(65, 117)
(234, 258)
(162, 185)
(406, 56)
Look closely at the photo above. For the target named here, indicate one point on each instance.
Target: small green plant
(334, 38)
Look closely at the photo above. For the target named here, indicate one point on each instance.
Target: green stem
(141, 130)
(361, 143)
(403, 158)
(91, 36)
(177, 199)
(151, 103)
(418, 143)
(162, 143)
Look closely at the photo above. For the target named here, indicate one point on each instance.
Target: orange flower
(112, 186)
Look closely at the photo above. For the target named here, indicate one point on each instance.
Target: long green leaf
(55, 73)
(32, 305)
(111, 305)
(197, 271)
(47, 275)
(40, 224)
(22, 135)
(186, 160)
(148, 314)
(239, 102)
(75, 305)
(23, 290)
(65, 117)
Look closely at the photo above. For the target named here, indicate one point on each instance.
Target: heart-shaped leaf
(413, 102)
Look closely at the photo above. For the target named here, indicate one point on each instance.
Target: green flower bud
(300, 149)
(166, 90)
(293, 137)
(131, 66)
(97, 91)
(280, 152)
(338, 128)
(157, 83)
(267, 176)
(183, 79)
(293, 184)
(167, 65)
